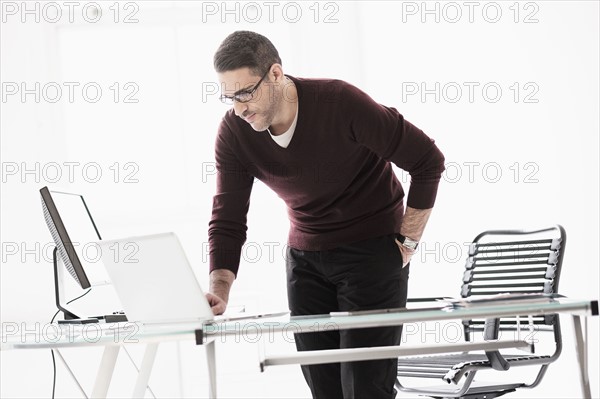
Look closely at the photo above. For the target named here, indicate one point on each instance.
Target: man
(325, 148)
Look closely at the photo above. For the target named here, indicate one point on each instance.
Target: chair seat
(448, 367)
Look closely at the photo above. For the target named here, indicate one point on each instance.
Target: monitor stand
(69, 316)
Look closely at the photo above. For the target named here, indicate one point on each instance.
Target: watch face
(410, 243)
(407, 242)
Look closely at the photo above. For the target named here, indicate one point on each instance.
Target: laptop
(155, 282)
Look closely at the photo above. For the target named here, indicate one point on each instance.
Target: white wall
(543, 141)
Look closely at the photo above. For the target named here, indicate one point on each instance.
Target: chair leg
(458, 393)
(487, 395)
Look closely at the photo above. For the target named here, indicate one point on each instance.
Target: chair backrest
(514, 261)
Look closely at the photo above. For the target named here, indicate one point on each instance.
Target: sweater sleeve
(227, 226)
(385, 132)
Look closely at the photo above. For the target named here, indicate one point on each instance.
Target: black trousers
(360, 276)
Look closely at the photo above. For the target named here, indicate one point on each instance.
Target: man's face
(262, 109)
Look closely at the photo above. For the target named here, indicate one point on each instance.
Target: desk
(112, 337)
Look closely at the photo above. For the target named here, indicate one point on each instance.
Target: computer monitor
(63, 242)
(73, 229)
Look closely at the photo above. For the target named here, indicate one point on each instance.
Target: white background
(522, 157)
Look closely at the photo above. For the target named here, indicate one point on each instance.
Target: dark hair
(246, 49)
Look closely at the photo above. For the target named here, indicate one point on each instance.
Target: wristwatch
(407, 242)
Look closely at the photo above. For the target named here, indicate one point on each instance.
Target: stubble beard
(269, 114)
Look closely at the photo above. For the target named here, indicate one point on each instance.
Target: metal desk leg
(212, 369)
(60, 356)
(582, 356)
(145, 369)
(105, 372)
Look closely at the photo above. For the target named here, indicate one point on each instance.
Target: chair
(499, 261)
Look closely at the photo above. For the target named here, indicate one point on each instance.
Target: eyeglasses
(243, 96)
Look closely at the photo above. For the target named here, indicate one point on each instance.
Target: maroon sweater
(335, 176)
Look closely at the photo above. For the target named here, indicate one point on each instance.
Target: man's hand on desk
(220, 284)
(217, 305)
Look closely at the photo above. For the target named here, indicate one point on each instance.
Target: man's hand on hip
(407, 253)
